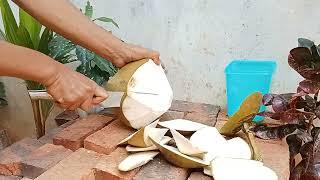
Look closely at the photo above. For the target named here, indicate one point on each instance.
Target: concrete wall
(197, 38)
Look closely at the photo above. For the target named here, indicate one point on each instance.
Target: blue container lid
(251, 67)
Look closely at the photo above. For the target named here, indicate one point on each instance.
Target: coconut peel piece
(172, 155)
(241, 169)
(136, 160)
(247, 111)
(182, 125)
(185, 146)
(164, 140)
(120, 80)
(147, 96)
(141, 137)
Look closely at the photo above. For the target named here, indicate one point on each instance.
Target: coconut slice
(236, 148)
(141, 137)
(148, 93)
(182, 125)
(164, 140)
(185, 146)
(241, 169)
(175, 157)
(136, 160)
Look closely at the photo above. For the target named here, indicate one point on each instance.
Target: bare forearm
(25, 63)
(65, 19)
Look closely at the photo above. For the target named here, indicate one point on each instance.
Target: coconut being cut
(148, 93)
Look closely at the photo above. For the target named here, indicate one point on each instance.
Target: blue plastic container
(244, 77)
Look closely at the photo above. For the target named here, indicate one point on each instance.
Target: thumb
(99, 95)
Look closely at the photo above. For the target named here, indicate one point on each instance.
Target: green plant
(28, 33)
(92, 65)
(298, 111)
(3, 101)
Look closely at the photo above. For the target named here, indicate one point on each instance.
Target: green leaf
(32, 26)
(105, 65)
(303, 42)
(2, 35)
(9, 22)
(2, 90)
(84, 55)
(89, 10)
(105, 19)
(60, 47)
(3, 102)
(46, 37)
(24, 38)
(95, 74)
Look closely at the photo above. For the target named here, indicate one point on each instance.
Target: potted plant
(31, 34)
(298, 111)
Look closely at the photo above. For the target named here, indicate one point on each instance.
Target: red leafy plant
(298, 111)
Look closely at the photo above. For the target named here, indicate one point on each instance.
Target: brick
(73, 136)
(4, 139)
(111, 111)
(199, 176)
(65, 117)
(9, 177)
(105, 140)
(43, 158)
(76, 166)
(108, 167)
(207, 119)
(275, 155)
(169, 115)
(48, 137)
(159, 169)
(11, 157)
(185, 106)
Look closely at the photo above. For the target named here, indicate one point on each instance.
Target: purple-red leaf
(308, 86)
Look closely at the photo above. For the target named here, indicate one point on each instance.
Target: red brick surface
(170, 115)
(199, 176)
(160, 169)
(11, 157)
(9, 177)
(66, 116)
(73, 136)
(105, 140)
(48, 137)
(76, 166)
(42, 159)
(108, 168)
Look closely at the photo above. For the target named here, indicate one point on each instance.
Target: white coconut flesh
(182, 125)
(141, 137)
(164, 140)
(236, 148)
(148, 95)
(136, 160)
(174, 156)
(185, 146)
(228, 168)
(210, 140)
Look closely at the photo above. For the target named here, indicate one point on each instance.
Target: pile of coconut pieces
(194, 145)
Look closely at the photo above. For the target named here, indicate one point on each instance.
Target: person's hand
(129, 52)
(72, 90)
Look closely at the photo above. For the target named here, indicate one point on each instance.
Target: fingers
(99, 95)
(155, 56)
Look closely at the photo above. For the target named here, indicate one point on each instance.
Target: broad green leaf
(89, 10)
(105, 19)
(105, 65)
(24, 37)
(46, 37)
(2, 35)
(247, 111)
(32, 85)
(3, 102)
(302, 42)
(9, 22)
(32, 26)
(84, 55)
(59, 47)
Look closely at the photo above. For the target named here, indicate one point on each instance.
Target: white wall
(197, 38)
